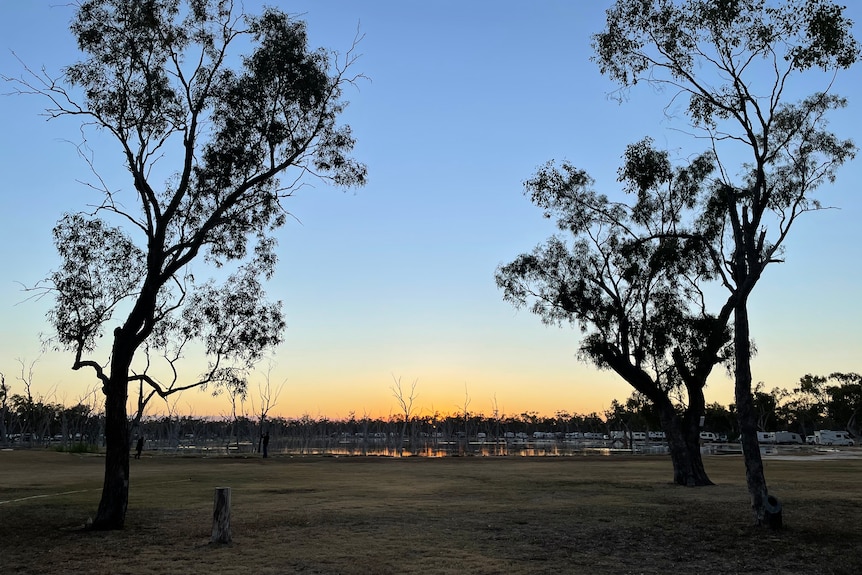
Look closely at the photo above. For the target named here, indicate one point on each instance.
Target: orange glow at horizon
(583, 390)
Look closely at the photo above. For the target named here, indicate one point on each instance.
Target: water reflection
(384, 447)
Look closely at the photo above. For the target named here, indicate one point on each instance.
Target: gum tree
(844, 401)
(634, 289)
(214, 143)
(738, 63)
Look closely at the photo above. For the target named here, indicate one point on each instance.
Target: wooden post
(221, 516)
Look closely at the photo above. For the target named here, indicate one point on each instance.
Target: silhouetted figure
(266, 444)
(139, 447)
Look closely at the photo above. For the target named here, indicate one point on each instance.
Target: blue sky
(464, 101)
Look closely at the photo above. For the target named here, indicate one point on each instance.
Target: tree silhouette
(161, 77)
(737, 62)
(631, 286)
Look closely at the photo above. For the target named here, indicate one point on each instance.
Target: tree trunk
(682, 432)
(747, 416)
(683, 440)
(115, 489)
(400, 449)
(4, 436)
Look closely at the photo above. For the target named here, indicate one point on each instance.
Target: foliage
(813, 404)
(845, 400)
(232, 137)
(626, 279)
(738, 63)
(631, 278)
(156, 77)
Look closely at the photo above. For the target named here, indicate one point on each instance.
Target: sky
(395, 280)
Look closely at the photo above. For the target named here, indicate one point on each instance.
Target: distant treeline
(26, 421)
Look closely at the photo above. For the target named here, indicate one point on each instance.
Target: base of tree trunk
(772, 516)
(693, 479)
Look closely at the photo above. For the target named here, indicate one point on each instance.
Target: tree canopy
(625, 279)
(739, 63)
(157, 79)
(631, 279)
(214, 143)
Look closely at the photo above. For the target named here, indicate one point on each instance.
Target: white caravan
(788, 437)
(766, 437)
(826, 437)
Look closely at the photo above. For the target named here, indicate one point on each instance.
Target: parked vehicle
(787, 437)
(708, 436)
(766, 437)
(827, 437)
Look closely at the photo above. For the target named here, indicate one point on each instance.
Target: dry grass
(596, 515)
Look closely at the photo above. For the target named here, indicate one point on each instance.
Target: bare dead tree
(36, 409)
(237, 395)
(465, 413)
(173, 421)
(268, 394)
(496, 416)
(405, 400)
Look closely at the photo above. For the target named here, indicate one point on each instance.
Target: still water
(438, 448)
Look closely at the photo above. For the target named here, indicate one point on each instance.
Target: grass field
(592, 515)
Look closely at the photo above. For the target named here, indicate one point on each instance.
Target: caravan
(787, 437)
(765, 437)
(826, 437)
